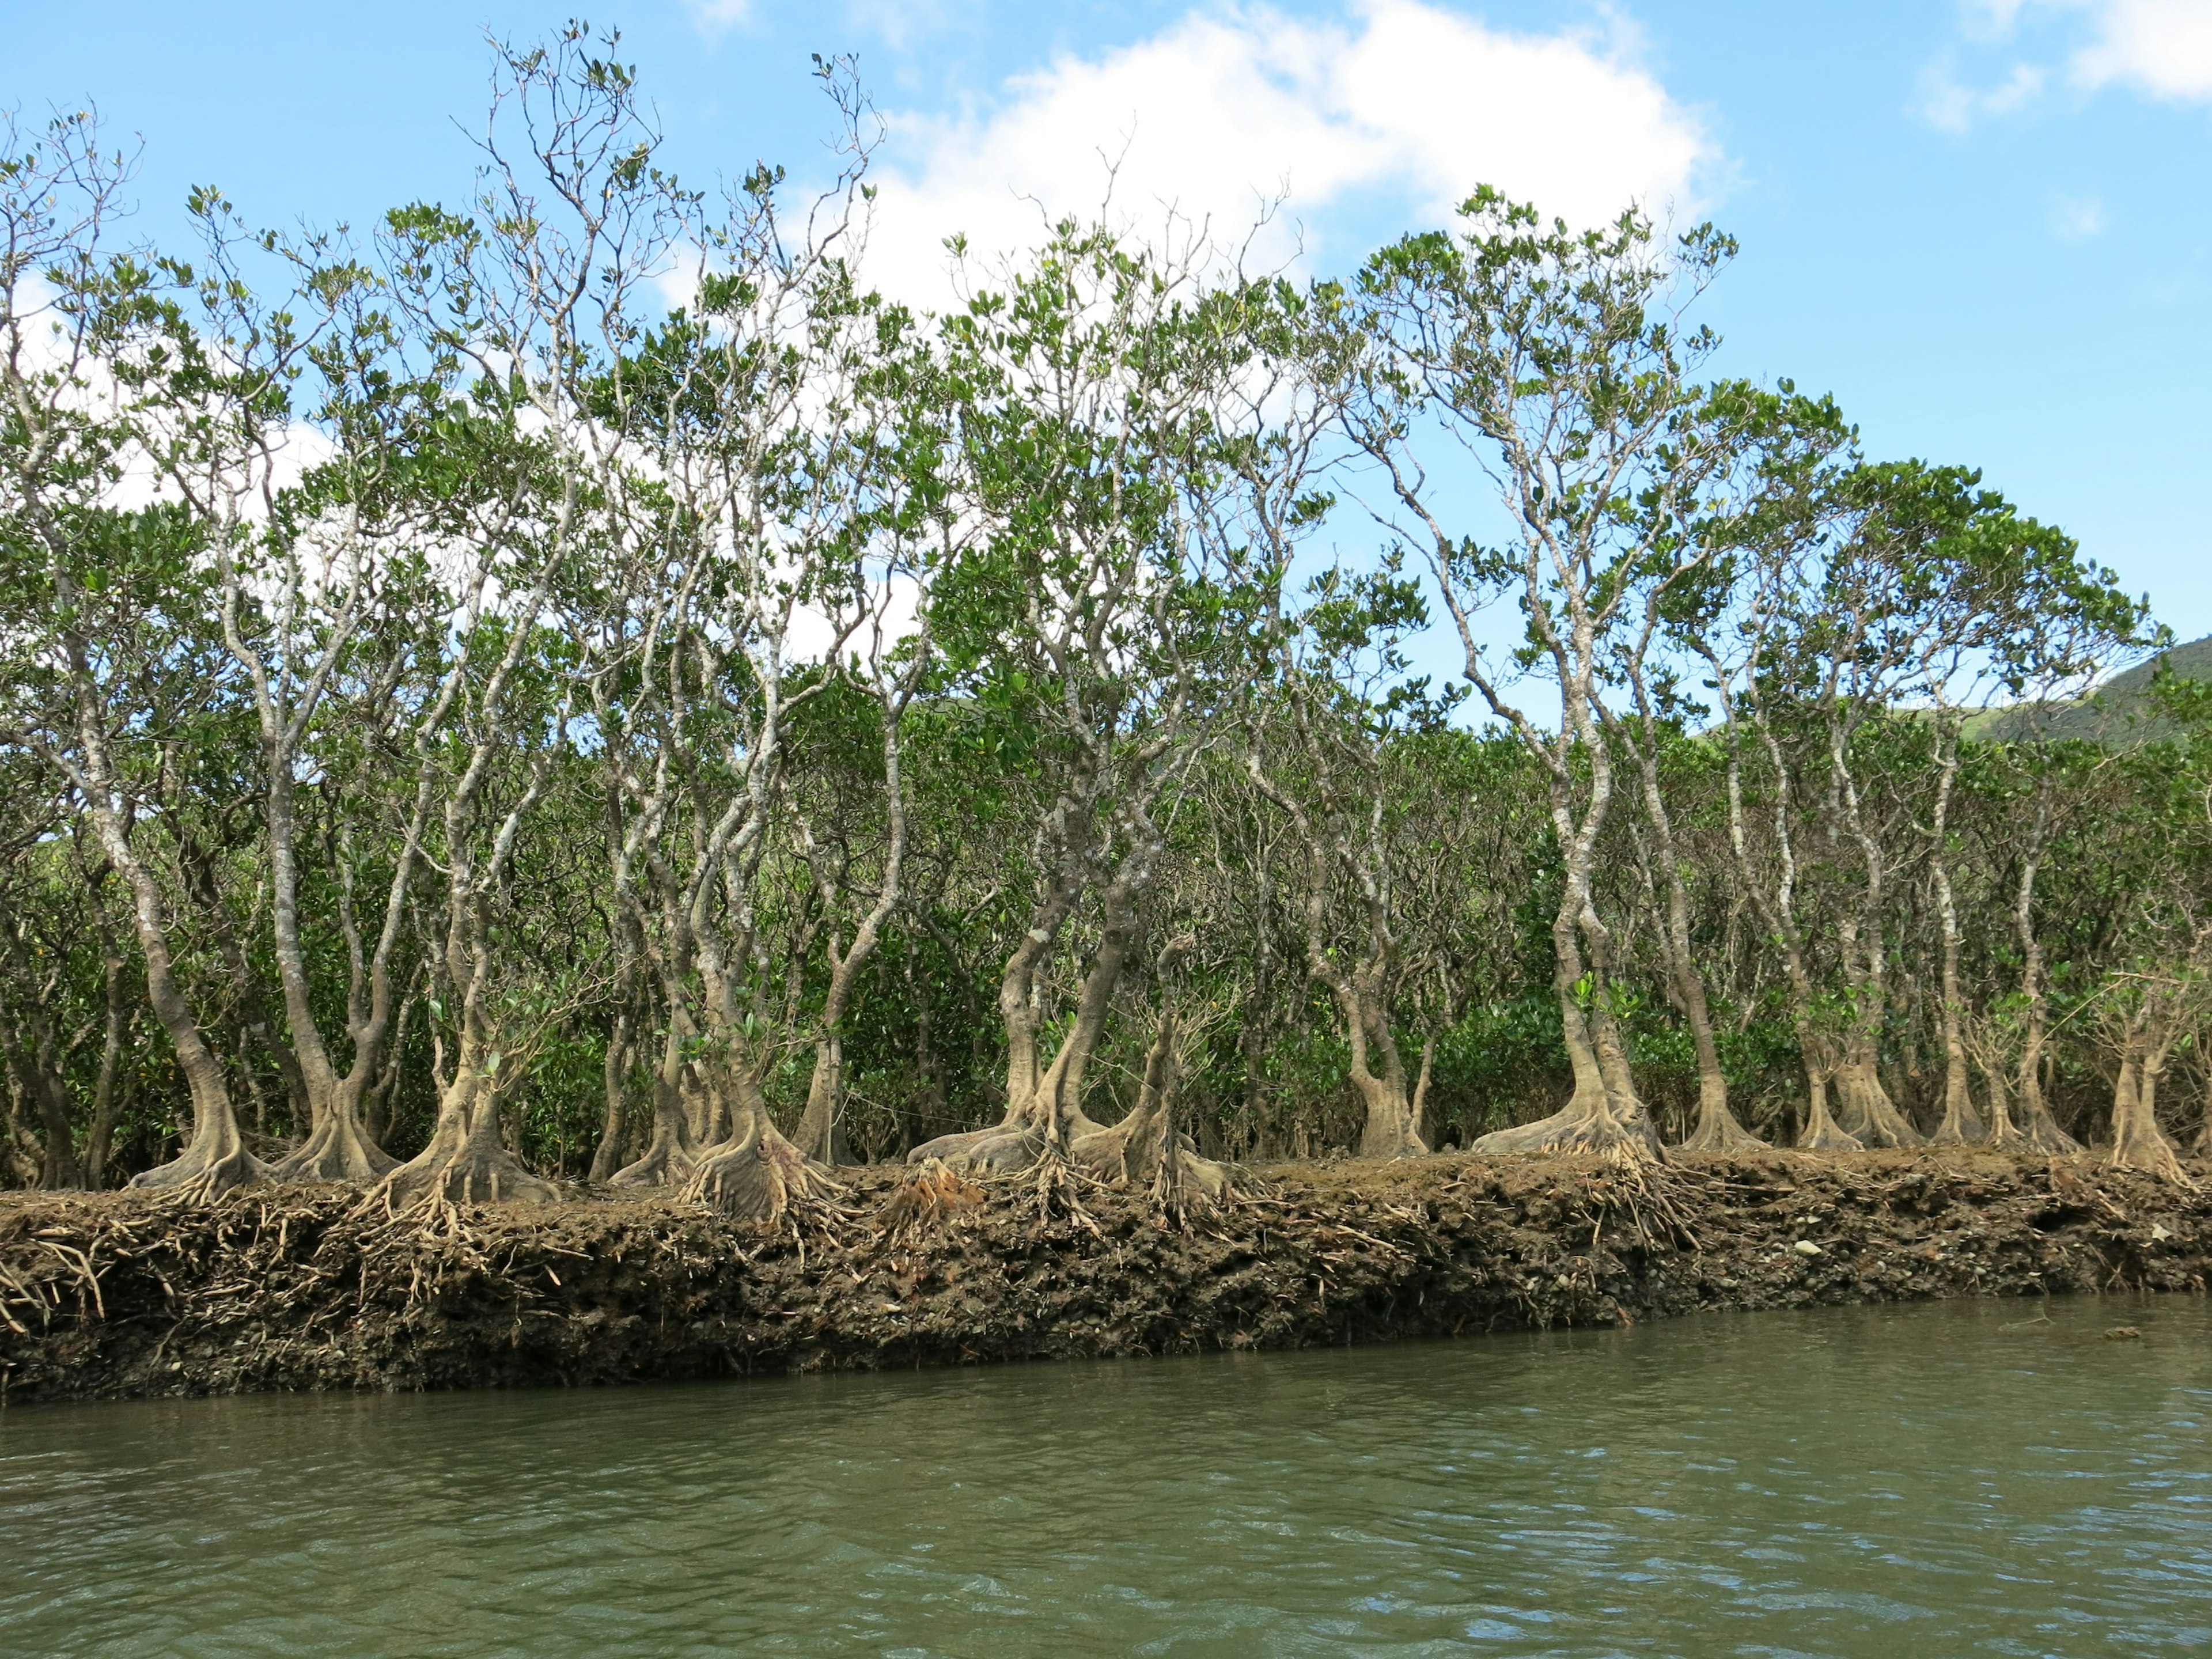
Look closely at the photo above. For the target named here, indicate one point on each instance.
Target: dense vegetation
(465, 721)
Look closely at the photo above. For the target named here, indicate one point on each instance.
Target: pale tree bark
(614, 1069)
(1775, 900)
(2138, 1142)
(1554, 363)
(1865, 1109)
(1362, 991)
(337, 1146)
(821, 1134)
(1717, 1129)
(2039, 1128)
(1960, 1125)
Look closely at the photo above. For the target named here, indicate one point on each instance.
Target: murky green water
(1937, 1480)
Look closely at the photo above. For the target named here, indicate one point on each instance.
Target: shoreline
(119, 1295)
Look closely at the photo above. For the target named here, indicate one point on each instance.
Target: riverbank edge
(119, 1295)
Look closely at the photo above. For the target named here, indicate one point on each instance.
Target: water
(1939, 1480)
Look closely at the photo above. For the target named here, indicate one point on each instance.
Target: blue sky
(1986, 227)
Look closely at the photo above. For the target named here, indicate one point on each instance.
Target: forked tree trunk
(466, 1161)
(1391, 1124)
(1821, 1132)
(1044, 1114)
(1603, 1112)
(2137, 1142)
(757, 1174)
(671, 1153)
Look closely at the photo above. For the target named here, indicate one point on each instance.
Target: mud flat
(116, 1295)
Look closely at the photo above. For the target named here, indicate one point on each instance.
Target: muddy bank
(113, 1295)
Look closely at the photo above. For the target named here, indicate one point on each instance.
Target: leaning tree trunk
(1044, 1114)
(214, 1159)
(1148, 1149)
(2137, 1142)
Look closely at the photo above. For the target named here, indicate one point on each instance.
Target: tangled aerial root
(931, 1198)
(201, 1177)
(132, 1294)
(760, 1176)
(1568, 1134)
(1651, 1198)
(475, 1174)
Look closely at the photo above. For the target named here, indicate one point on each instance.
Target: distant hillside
(2117, 711)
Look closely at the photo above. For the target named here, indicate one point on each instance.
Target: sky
(1985, 226)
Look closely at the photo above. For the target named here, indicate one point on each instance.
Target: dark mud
(114, 1294)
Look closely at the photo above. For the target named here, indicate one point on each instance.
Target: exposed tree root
(1824, 1134)
(758, 1175)
(2143, 1147)
(1002, 1149)
(1866, 1112)
(666, 1163)
(211, 1166)
(1583, 1125)
(466, 1166)
(338, 1149)
(1718, 1132)
(109, 1294)
(931, 1196)
(1392, 1133)
(1652, 1197)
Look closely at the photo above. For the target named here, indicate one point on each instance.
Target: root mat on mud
(118, 1294)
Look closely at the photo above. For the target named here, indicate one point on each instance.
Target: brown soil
(119, 1294)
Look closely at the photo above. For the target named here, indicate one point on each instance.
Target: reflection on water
(1939, 1480)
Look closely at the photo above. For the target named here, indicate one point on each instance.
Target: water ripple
(1828, 1484)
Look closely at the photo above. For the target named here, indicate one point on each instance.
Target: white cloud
(2076, 218)
(714, 18)
(2161, 47)
(1948, 103)
(1401, 106)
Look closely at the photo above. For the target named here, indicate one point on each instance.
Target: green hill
(2117, 711)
